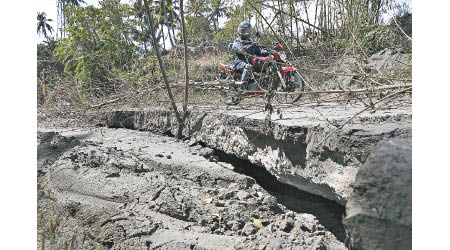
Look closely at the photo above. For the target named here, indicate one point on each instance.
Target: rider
(244, 43)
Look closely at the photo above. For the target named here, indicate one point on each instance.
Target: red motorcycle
(267, 73)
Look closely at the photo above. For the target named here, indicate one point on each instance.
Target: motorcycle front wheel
(294, 83)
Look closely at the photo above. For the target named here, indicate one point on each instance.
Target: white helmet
(244, 30)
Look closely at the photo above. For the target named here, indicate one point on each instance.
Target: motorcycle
(267, 73)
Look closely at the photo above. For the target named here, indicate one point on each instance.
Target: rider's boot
(243, 83)
(245, 75)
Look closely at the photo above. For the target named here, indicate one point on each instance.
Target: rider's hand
(264, 52)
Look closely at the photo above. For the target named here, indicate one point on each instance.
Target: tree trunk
(166, 19)
(217, 21)
(307, 15)
(283, 28)
(315, 13)
(298, 38)
(291, 13)
(186, 71)
(170, 37)
(163, 36)
(143, 39)
(163, 72)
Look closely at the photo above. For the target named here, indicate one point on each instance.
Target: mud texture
(380, 209)
(287, 148)
(122, 189)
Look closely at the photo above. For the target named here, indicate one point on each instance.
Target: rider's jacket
(236, 47)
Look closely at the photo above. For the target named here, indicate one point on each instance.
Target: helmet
(244, 30)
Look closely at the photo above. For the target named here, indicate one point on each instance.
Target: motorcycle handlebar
(266, 47)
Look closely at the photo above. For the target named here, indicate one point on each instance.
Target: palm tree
(173, 18)
(218, 9)
(170, 18)
(42, 24)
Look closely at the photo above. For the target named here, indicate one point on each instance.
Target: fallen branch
(104, 103)
(354, 75)
(350, 91)
(337, 91)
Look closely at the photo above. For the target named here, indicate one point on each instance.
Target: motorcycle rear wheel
(294, 83)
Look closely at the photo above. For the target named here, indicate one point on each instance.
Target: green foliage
(229, 32)
(99, 41)
(204, 18)
(402, 71)
(198, 7)
(375, 38)
(46, 60)
(200, 26)
(404, 20)
(218, 9)
(142, 72)
(49, 69)
(339, 43)
(109, 48)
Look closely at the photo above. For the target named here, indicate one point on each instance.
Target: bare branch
(351, 118)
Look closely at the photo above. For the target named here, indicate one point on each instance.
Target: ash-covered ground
(109, 188)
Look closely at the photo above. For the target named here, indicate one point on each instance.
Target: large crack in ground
(328, 212)
(124, 189)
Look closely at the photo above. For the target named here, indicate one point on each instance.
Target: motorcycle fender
(222, 67)
(286, 69)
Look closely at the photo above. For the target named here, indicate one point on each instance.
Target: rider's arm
(263, 52)
(253, 49)
(257, 51)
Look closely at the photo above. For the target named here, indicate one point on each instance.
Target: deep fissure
(328, 212)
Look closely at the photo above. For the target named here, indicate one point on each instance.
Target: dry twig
(351, 118)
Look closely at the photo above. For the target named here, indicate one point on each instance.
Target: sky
(49, 7)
